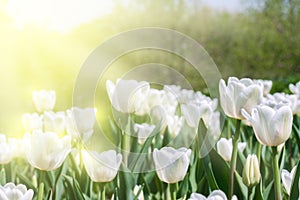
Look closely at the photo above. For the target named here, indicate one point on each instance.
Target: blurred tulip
(171, 164)
(214, 195)
(175, 124)
(46, 151)
(272, 126)
(265, 84)
(224, 148)
(32, 122)
(143, 131)
(127, 95)
(251, 171)
(238, 94)
(7, 150)
(44, 100)
(54, 122)
(80, 122)
(101, 167)
(287, 179)
(295, 89)
(10, 191)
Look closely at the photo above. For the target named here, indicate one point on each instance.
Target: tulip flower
(239, 94)
(272, 126)
(44, 100)
(143, 131)
(54, 122)
(127, 95)
(251, 172)
(80, 122)
(46, 151)
(295, 89)
(101, 167)
(32, 122)
(7, 150)
(265, 84)
(175, 124)
(216, 194)
(171, 164)
(287, 179)
(224, 148)
(10, 191)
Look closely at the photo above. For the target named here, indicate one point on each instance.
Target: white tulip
(44, 100)
(272, 126)
(46, 151)
(214, 195)
(239, 94)
(283, 99)
(10, 191)
(101, 167)
(251, 171)
(171, 164)
(287, 179)
(175, 124)
(126, 96)
(143, 131)
(193, 113)
(224, 148)
(7, 150)
(265, 84)
(80, 122)
(54, 122)
(32, 122)
(295, 89)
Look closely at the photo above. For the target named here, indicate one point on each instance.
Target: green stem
(276, 174)
(172, 191)
(103, 192)
(125, 147)
(249, 193)
(235, 141)
(41, 184)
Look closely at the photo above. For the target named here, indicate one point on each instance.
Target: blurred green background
(259, 40)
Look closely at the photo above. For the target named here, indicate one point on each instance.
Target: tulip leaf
(184, 187)
(127, 182)
(27, 182)
(295, 184)
(267, 190)
(220, 169)
(258, 194)
(242, 189)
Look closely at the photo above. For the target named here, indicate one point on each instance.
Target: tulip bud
(287, 179)
(224, 148)
(251, 172)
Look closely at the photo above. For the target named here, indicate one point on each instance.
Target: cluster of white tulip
(179, 113)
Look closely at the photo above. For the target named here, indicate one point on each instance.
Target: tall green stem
(235, 140)
(276, 174)
(41, 184)
(172, 187)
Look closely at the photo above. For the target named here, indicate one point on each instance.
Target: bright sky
(60, 15)
(65, 15)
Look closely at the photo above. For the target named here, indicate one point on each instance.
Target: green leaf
(258, 194)
(27, 182)
(295, 185)
(220, 169)
(242, 189)
(184, 187)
